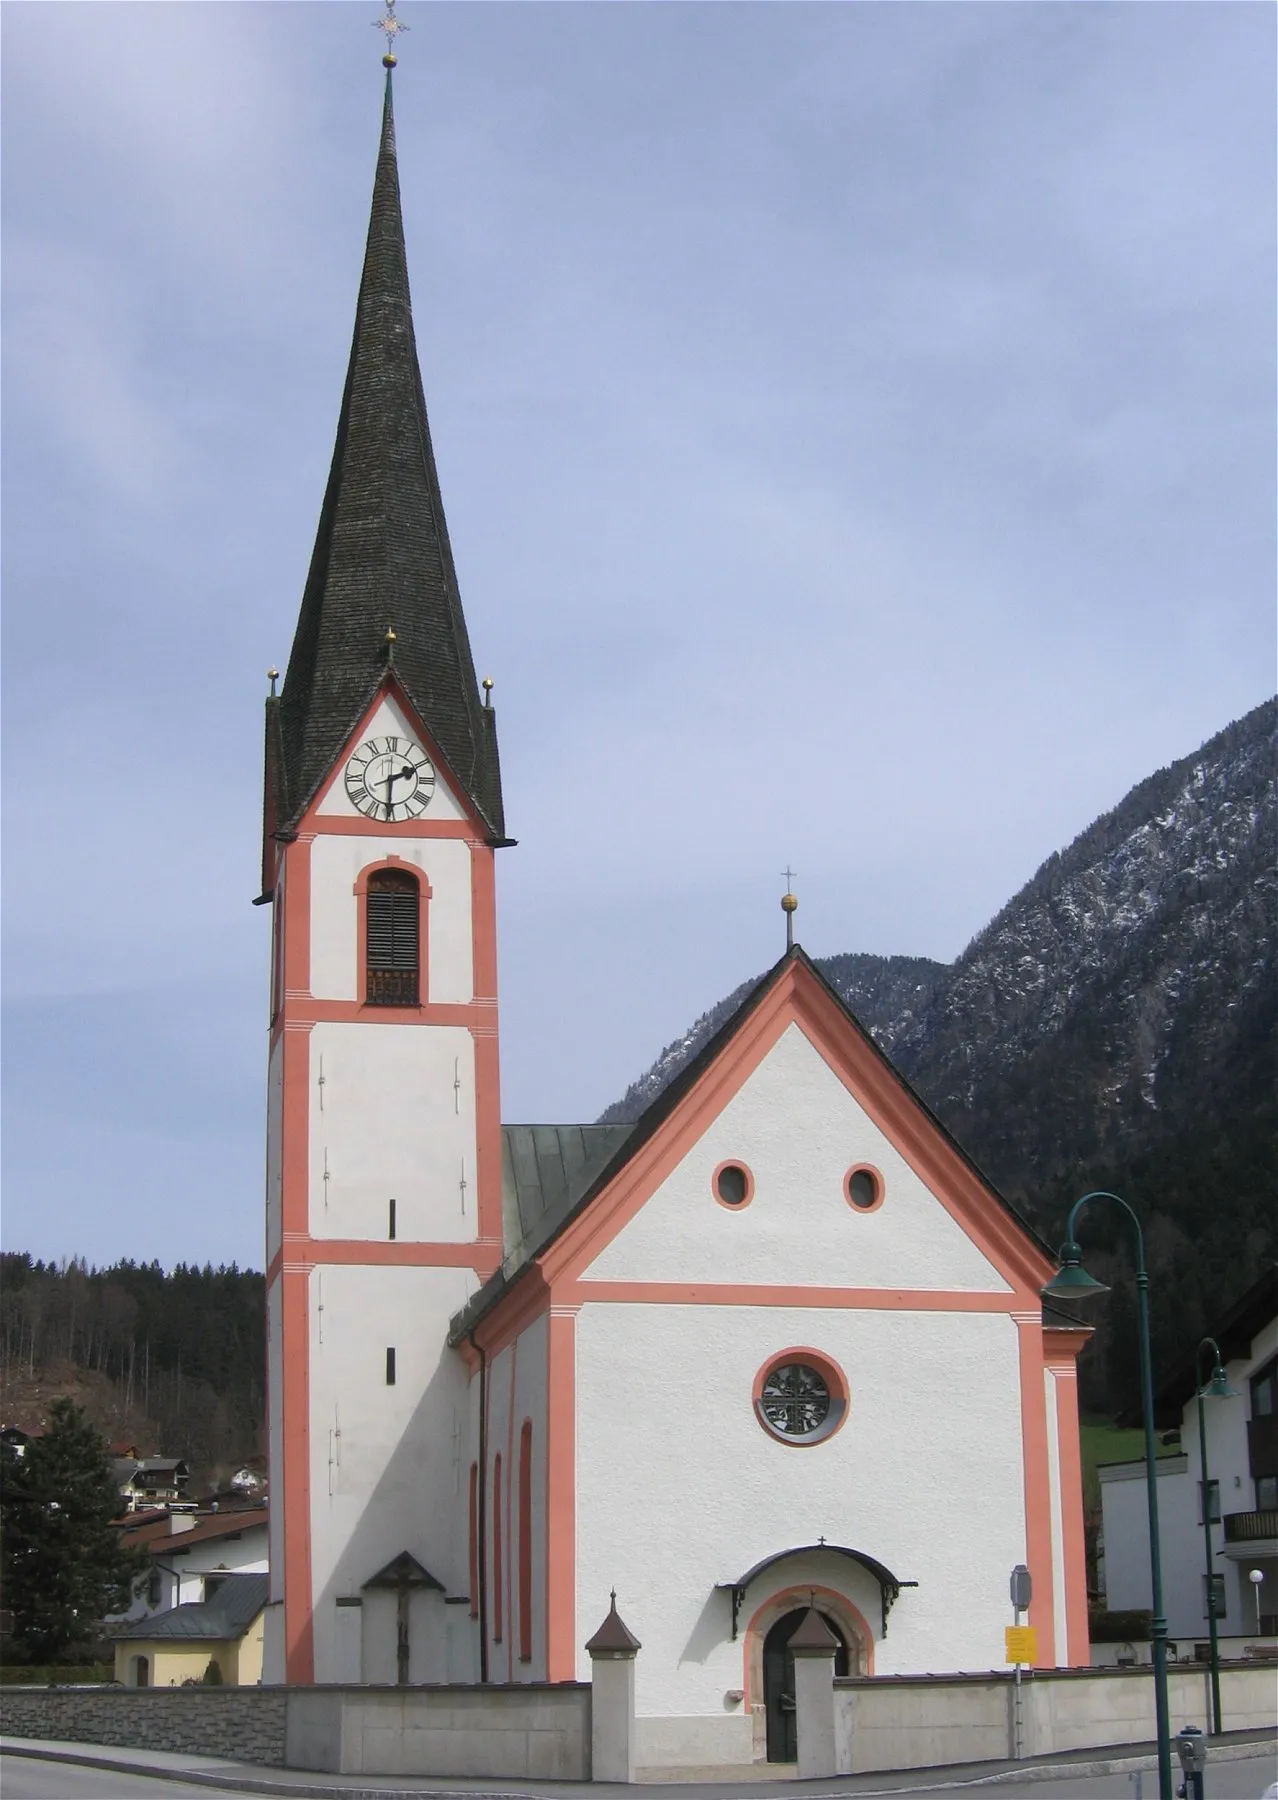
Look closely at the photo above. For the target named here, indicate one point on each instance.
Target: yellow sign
(1022, 1643)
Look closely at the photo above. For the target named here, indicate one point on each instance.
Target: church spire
(382, 561)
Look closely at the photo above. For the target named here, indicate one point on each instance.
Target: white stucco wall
(1125, 1520)
(336, 863)
(246, 1554)
(390, 720)
(680, 1488)
(395, 1119)
(799, 1130)
(386, 1462)
(517, 1391)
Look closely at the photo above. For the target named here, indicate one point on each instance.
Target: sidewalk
(208, 1771)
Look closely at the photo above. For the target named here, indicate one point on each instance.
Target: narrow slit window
(498, 1560)
(525, 1542)
(390, 1366)
(393, 934)
(391, 1220)
(474, 1540)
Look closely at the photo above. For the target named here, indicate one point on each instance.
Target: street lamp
(1217, 1388)
(1256, 1577)
(1072, 1282)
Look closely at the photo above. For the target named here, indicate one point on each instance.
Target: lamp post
(1217, 1388)
(1072, 1282)
(1256, 1577)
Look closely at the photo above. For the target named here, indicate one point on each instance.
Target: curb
(243, 1784)
(302, 1790)
(1046, 1771)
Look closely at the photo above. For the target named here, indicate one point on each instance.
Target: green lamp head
(1071, 1281)
(1218, 1387)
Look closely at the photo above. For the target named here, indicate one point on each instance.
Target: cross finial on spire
(789, 906)
(392, 27)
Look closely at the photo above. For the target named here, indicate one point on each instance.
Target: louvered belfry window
(394, 939)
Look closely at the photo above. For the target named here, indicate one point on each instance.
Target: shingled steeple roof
(382, 558)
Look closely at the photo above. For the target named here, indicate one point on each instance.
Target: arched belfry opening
(392, 939)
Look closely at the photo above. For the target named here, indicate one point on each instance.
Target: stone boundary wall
(533, 1730)
(245, 1724)
(917, 1721)
(521, 1731)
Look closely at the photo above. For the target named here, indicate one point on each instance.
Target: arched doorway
(778, 1681)
(141, 1671)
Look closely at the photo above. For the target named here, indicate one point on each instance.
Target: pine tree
(63, 1564)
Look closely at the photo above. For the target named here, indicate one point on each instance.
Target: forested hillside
(1115, 1025)
(172, 1363)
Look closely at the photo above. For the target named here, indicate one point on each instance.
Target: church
(776, 1342)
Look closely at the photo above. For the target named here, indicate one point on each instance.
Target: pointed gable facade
(786, 1340)
(777, 1345)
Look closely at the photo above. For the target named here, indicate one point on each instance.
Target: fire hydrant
(1191, 1747)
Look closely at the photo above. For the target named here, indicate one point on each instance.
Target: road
(22, 1778)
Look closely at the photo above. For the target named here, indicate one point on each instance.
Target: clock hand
(390, 803)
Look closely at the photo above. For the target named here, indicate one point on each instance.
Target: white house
(190, 1555)
(1242, 1466)
(777, 1339)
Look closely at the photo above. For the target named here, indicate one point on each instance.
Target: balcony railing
(392, 987)
(1251, 1527)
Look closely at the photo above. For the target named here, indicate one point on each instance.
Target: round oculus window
(864, 1188)
(801, 1401)
(732, 1184)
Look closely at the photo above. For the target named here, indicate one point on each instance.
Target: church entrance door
(778, 1682)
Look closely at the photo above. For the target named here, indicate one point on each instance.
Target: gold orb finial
(389, 61)
(390, 634)
(789, 906)
(272, 675)
(487, 685)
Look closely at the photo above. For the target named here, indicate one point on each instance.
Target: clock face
(390, 778)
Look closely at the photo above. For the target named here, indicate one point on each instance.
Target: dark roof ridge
(382, 558)
(665, 1102)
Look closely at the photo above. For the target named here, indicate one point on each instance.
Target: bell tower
(382, 814)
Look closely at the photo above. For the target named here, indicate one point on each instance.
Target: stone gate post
(813, 1647)
(612, 1652)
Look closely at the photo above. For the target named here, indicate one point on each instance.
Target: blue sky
(856, 425)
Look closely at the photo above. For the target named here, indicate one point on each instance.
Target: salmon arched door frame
(851, 1622)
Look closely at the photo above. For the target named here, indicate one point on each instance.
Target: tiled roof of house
(230, 1612)
(382, 559)
(157, 1536)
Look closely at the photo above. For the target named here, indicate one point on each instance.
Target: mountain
(1115, 1025)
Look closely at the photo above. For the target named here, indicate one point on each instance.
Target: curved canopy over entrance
(890, 1585)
